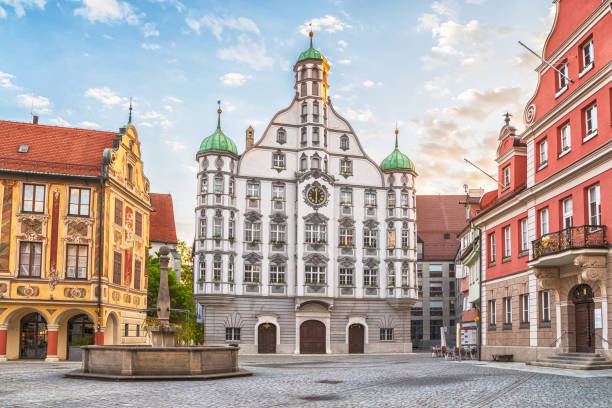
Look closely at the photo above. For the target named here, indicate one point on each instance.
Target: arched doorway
(33, 337)
(80, 333)
(584, 318)
(111, 331)
(266, 338)
(312, 337)
(356, 338)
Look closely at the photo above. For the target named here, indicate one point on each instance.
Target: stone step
(570, 366)
(576, 358)
(577, 354)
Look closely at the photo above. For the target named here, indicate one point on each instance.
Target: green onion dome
(397, 161)
(218, 142)
(311, 53)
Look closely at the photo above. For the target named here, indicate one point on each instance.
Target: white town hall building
(303, 243)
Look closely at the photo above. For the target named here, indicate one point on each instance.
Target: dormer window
(281, 136)
(344, 142)
(506, 178)
(588, 56)
(23, 148)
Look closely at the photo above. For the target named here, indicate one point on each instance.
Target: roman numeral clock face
(316, 196)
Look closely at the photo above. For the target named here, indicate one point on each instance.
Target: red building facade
(546, 261)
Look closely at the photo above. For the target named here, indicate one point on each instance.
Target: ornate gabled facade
(63, 192)
(303, 243)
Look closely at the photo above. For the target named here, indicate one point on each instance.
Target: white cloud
(108, 11)
(150, 30)
(369, 84)
(344, 61)
(89, 125)
(446, 8)
(342, 43)
(175, 145)
(105, 95)
(145, 124)
(175, 3)
(363, 115)
(229, 107)
(20, 6)
(476, 1)
(6, 81)
(168, 108)
(249, 52)
(151, 47)
(153, 115)
(59, 121)
(217, 24)
(234, 79)
(190, 168)
(40, 104)
(328, 23)
(437, 87)
(172, 99)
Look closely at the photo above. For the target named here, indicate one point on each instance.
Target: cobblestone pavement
(313, 381)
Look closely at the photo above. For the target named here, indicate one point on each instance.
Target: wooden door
(356, 338)
(312, 337)
(585, 332)
(266, 338)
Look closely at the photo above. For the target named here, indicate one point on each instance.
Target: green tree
(181, 297)
(186, 263)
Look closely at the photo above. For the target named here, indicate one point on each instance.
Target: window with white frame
(218, 228)
(525, 308)
(543, 149)
(386, 334)
(76, 262)
(590, 121)
(565, 138)
(252, 231)
(405, 270)
(278, 233)
(230, 270)
(544, 221)
(508, 310)
(346, 276)
(218, 185)
(231, 187)
(568, 213)
(390, 275)
(315, 108)
(33, 198)
(202, 227)
(202, 269)
(315, 233)
(346, 166)
(315, 136)
(232, 333)
(545, 306)
(303, 163)
(492, 313)
(252, 190)
(303, 136)
(370, 277)
(588, 55)
(391, 199)
(405, 235)
(79, 201)
(278, 160)
(594, 205)
(346, 237)
(506, 178)
(278, 192)
(370, 199)
(231, 229)
(314, 274)
(391, 238)
(204, 185)
(524, 235)
(369, 238)
(404, 200)
(346, 197)
(277, 273)
(562, 75)
(315, 163)
(507, 242)
(304, 112)
(251, 273)
(217, 269)
(492, 248)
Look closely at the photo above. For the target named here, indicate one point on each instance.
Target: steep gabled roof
(162, 219)
(438, 215)
(53, 149)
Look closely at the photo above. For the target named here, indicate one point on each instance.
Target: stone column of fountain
(163, 335)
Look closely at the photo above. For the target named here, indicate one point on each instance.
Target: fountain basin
(159, 363)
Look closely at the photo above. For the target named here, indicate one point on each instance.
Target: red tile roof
(53, 149)
(438, 215)
(162, 219)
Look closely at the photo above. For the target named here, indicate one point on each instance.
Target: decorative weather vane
(219, 114)
(507, 118)
(130, 117)
(396, 134)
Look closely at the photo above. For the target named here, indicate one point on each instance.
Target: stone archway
(111, 332)
(266, 338)
(33, 337)
(356, 338)
(312, 337)
(584, 318)
(80, 332)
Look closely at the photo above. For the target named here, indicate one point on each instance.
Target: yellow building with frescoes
(52, 224)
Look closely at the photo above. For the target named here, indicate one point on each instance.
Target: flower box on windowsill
(201, 280)
(216, 236)
(492, 327)
(278, 242)
(253, 282)
(346, 203)
(254, 197)
(279, 167)
(524, 325)
(370, 285)
(278, 198)
(544, 324)
(346, 246)
(279, 283)
(315, 283)
(507, 326)
(256, 241)
(347, 173)
(231, 239)
(321, 241)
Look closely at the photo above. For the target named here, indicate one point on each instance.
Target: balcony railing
(586, 236)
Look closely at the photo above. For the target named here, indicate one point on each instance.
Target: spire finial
(310, 34)
(507, 118)
(130, 117)
(396, 133)
(219, 115)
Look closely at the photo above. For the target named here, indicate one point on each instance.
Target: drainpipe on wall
(103, 178)
(479, 323)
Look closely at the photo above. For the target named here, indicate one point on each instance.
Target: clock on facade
(316, 195)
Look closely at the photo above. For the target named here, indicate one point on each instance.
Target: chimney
(35, 119)
(250, 137)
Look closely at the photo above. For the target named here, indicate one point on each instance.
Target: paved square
(316, 381)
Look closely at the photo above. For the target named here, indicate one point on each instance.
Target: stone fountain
(163, 360)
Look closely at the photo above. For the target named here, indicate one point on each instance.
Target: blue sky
(445, 70)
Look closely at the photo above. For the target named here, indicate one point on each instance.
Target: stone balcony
(562, 247)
